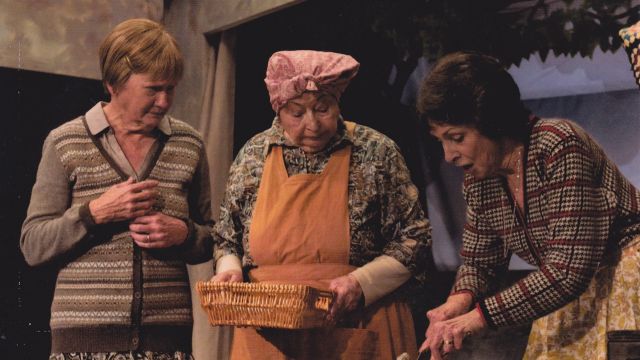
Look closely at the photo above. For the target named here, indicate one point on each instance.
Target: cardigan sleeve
(198, 247)
(580, 217)
(52, 227)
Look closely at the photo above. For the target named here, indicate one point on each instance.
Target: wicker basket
(264, 305)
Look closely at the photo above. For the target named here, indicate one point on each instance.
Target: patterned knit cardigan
(579, 210)
(113, 296)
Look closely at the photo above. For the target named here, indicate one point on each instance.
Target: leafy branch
(510, 30)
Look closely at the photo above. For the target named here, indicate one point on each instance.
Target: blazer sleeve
(581, 213)
(53, 227)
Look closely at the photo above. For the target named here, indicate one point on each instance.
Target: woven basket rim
(291, 306)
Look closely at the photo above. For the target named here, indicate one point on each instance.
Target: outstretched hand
(445, 337)
(449, 324)
(455, 305)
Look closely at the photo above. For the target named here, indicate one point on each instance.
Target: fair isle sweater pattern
(115, 295)
(579, 210)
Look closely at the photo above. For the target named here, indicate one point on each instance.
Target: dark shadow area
(34, 103)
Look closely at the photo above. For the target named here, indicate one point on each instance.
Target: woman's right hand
(455, 305)
(228, 276)
(124, 201)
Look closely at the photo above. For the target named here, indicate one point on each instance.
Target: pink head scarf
(290, 73)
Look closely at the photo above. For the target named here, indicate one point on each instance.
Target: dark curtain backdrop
(33, 103)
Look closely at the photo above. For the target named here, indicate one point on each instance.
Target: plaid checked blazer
(579, 209)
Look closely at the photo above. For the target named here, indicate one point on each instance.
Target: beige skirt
(579, 329)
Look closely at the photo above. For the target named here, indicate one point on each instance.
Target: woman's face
(141, 102)
(310, 120)
(466, 147)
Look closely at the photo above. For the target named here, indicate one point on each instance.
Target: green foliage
(509, 30)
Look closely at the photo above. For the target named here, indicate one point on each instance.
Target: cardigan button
(137, 295)
(135, 341)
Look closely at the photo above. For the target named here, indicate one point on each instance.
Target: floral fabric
(579, 329)
(385, 216)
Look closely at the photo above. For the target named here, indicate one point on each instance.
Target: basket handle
(324, 300)
(328, 294)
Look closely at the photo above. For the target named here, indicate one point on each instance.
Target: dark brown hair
(473, 89)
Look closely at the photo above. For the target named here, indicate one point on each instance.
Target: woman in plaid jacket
(544, 190)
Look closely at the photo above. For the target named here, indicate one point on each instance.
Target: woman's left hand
(444, 337)
(347, 293)
(158, 230)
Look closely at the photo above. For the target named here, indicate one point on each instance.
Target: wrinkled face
(310, 120)
(141, 102)
(466, 147)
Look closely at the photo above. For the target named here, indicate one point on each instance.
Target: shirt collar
(97, 121)
(275, 136)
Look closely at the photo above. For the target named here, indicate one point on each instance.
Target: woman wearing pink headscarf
(320, 201)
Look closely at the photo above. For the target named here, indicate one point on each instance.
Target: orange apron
(300, 234)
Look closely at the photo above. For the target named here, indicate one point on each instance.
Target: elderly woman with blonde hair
(121, 203)
(324, 202)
